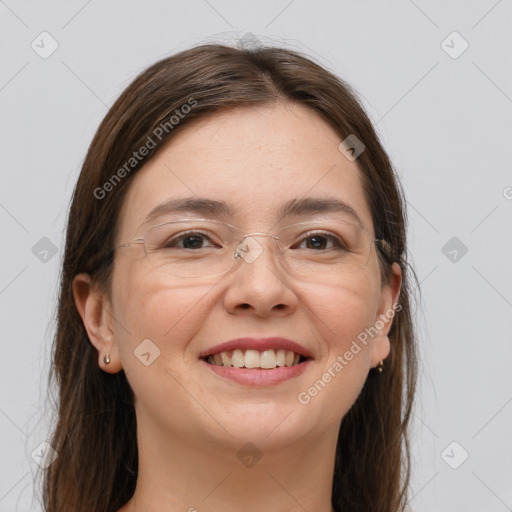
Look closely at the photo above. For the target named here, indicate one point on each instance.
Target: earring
(106, 359)
(380, 367)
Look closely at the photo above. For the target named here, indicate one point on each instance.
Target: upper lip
(259, 344)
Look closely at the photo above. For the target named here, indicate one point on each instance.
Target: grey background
(445, 122)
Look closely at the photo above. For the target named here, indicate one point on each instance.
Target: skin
(191, 422)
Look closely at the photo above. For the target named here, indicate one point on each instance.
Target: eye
(322, 241)
(191, 240)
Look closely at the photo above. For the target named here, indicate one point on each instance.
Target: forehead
(257, 160)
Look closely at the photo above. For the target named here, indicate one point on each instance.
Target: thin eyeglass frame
(381, 243)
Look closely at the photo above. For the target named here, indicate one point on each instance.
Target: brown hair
(95, 433)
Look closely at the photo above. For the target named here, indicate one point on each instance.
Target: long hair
(95, 429)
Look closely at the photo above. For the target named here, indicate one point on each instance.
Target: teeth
(237, 359)
(281, 357)
(252, 359)
(267, 359)
(226, 360)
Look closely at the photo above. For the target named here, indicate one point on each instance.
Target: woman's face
(254, 159)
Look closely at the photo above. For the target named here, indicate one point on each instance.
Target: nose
(257, 283)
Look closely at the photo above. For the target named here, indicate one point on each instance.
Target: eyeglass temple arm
(137, 241)
(384, 246)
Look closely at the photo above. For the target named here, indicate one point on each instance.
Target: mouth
(257, 361)
(268, 359)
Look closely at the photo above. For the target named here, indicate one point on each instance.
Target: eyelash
(337, 242)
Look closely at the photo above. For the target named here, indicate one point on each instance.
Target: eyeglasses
(203, 248)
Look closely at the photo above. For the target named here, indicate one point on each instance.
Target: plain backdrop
(435, 77)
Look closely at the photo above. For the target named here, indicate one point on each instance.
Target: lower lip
(257, 377)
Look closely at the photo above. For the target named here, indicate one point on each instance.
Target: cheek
(158, 323)
(340, 315)
(342, 312)
(150, 309)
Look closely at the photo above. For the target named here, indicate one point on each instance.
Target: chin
(267, 426)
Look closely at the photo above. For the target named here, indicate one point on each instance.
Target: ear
(95, 310)
(388, 306)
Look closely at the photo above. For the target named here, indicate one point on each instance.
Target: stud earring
(380, 367)
(106, 359)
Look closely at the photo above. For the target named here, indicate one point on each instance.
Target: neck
(178, 473)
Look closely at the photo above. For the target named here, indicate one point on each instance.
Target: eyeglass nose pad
(250, 249)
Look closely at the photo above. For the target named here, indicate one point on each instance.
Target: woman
(234, 329)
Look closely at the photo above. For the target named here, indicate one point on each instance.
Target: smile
(257, 361)
(254, 359)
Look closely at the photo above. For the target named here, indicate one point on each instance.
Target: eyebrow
(213, 208)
